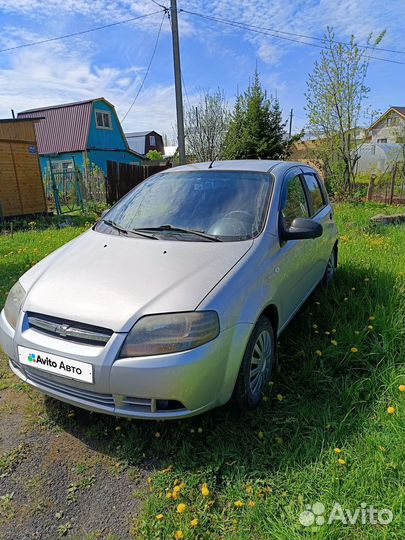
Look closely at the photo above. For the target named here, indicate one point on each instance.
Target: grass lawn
(324, 433)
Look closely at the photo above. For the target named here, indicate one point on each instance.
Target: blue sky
(112, 62)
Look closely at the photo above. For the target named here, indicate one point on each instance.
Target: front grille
(69, 330)
(106, 400)
(137, 404)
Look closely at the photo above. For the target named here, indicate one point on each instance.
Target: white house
(390, 127)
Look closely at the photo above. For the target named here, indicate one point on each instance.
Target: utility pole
(290, 128)
(177, 81)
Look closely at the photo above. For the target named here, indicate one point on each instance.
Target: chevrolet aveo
(171, 304)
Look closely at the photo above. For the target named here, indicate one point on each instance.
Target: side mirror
(301, 229)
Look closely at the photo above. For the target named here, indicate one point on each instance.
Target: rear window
(315, 191)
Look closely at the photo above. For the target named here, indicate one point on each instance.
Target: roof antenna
(210, 165)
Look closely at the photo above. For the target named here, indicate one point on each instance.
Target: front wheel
(257, 365)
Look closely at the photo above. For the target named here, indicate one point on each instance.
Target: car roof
(257, 165)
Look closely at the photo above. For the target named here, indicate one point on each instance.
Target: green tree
(256, 129)
(154, 155)
(335, 96)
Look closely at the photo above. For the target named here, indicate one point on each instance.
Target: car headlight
(14, 303)
(170, 332)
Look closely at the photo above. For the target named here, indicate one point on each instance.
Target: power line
(243, 26)
(147, 69)
(73, 34)
(299, 35)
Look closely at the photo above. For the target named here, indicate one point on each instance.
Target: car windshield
(226, 205)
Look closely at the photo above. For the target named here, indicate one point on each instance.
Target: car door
(293, 260)
(321, 212)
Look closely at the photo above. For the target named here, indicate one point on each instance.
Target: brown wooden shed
(21, 187)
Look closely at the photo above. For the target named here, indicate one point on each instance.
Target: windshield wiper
(210, 237)
(126, 231)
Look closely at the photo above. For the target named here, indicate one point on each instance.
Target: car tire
(257, 365)
(331, 267)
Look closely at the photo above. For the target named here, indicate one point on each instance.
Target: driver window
(295, 205)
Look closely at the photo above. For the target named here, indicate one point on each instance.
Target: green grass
(282, 456)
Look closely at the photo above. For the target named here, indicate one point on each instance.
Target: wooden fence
(122, 177)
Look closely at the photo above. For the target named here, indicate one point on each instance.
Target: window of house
(389, 122)
(62, 165)
(152, 140)
(315, 191)
(295, 204)
(103, 120)
(381, 140)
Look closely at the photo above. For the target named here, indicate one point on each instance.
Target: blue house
(82, 134)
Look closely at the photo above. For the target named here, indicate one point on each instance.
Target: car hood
(111, 281)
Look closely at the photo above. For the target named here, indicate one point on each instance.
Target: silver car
(171, 304)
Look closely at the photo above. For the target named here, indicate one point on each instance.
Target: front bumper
(198, 380)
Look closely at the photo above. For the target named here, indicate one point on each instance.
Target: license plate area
(55, 364)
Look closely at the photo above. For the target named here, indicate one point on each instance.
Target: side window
(315, 192)
(295, 203)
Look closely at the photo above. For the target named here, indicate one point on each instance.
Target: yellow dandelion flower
(176, 489)
(159, 517)
(391, 410)
(354, 349)
(175, 495)
(179, 535)
(280, 397)
(260, 435)
(318, 352)
(251, 504)
(370, 327)
(239, 504)
(176, 482)
(169, 495)
(327, 333)
(338, 450)
(371, 318)
(353, 288)
(342, 461)
(334, 342)
(204, 490)
(200, 430)
(401, 387)
(181, 508)
(333, 330)
(157, 434)
(249, 489)
(194, 522)
(182, 485)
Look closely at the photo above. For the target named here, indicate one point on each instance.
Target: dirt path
(54, 483)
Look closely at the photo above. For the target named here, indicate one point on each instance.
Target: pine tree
(256, 129)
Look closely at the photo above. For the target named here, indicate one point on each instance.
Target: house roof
(138, 133)
(64, 128)
(399, 110)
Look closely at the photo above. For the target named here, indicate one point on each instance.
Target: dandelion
(117, 428)
(239, 504)
(260, 435)
(280, 397)
(179, 535)
(370, 327)
(327, 333)
(353, 288)
(204, 490)
(159, 517)
(342, 461)
(192, 430)
(200, 430)
(194, 522)
(401, 387)
(157, 434)
(318, 353)
(318, 303)
(249, 489)
(371, 318)
(181, 508)
(338, 450)
(315, 326)
(391, 410)
(169, 495)
(251, 504)
(149, 479)
(333, 330)
(354, 349)
(334, 342)
(345, 299)
(176, 489)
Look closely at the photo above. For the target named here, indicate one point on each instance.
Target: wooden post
(55, 190)
(370, 189)
(394, 175)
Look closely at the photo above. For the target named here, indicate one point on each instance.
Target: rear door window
(315, 192)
